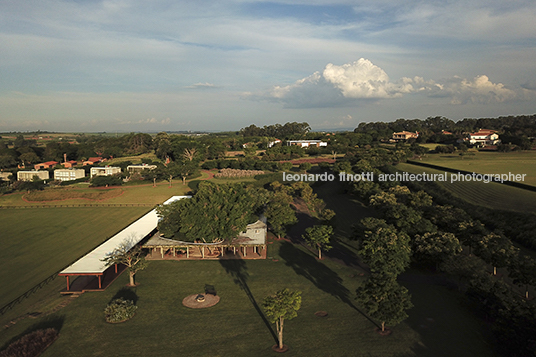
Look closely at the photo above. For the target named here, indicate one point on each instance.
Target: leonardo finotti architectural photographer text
(406, 176)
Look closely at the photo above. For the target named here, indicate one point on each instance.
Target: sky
(150, 66)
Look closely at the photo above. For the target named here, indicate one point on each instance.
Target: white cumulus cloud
(355, 82)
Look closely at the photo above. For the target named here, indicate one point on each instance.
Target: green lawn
(38, 242)
(521, 162)
(492, 195)
(235, 327)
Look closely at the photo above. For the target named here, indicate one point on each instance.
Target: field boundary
(82, 205)
(448, 169)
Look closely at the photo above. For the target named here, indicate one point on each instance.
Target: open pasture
(38, 242)
(520, 162)
(492, 195)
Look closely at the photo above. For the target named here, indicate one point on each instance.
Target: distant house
(68, 164)
(68, 174)
(275, 142)
(45, 165)
(104, 171)
(404, 135)
(307, 143)
(139, 168)
(444, 132)
(483, 137)
(29, 175)
(5, 176)
(93, 161)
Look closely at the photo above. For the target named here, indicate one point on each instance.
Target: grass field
(145, 194)
(523, 162)
(38, 242)
(235, 326)
(492, 195)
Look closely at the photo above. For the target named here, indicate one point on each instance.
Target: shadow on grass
(238, 270)
(126, 294)
(320, 275)
(52, 321)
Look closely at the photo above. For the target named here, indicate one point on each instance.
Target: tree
(217, 212)
(189, 154)
(523, 272)
(384, 299)
(435, 247)
(306, 166)
(384, 249)
(279, 213)
(129, 255)
(186, 169)
(318, 237)
(496, 250)
(281, 306)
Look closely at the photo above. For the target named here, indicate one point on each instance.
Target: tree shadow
(126, 293)
(52, 321)
(238, 270)
(320, 275)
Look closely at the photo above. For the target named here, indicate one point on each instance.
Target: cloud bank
(361, 80)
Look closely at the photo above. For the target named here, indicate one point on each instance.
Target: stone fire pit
(199, 301)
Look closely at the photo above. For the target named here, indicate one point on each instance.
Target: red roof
(49, 163)
(94, 159)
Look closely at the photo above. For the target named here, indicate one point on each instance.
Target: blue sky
(222, 65)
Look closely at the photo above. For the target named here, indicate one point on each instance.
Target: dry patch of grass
(61, 194)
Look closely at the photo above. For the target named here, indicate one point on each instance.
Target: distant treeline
(431, 128)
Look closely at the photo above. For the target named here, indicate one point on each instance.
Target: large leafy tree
(384, 299)
(496, 250)
(129, 255)
(319, 237)
(435, 247)
(523, 272)
(279, 212)
(383, 248)
(215, 212)
(281, 306)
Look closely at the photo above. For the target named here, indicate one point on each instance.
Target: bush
(114, 180)
(32, 344)
(119, 310)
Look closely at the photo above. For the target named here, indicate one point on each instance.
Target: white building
(69, 174)
(307, 143)
(104, 171)
(29, 175)
(483, 137)
(139, 168)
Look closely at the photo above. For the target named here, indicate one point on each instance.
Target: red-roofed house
(93, 160)
(69, 164)
(405, 135)
(483, 137)
(45, 165)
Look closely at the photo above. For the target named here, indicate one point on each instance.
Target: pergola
(92, 264)
(255, 236)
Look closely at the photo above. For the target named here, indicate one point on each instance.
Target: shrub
(119, 310)
(32, 344)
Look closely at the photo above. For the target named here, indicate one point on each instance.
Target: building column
(115, 268)
(187, 252)
(100, 281)
(203, 251)
(67, 276)
(162, 252)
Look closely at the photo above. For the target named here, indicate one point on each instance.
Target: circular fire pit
(199, 301)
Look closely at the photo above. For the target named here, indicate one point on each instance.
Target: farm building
(94, 273)
(45, 165)
(104, 171)
(250, 244)
(69, 164)
(29, 175)
(307, 143)
(93, 161)
(69, 174)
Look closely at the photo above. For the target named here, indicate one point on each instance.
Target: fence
(82, 205)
